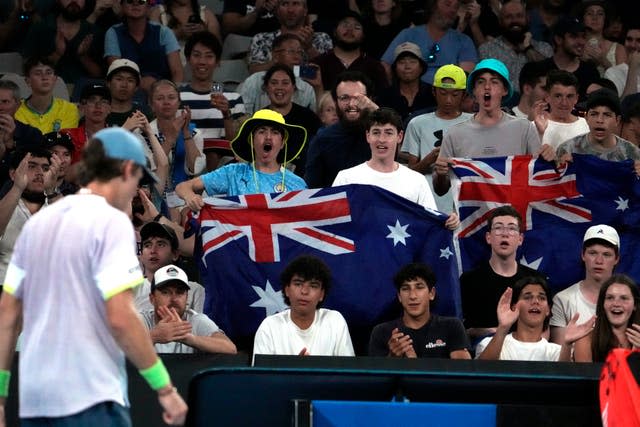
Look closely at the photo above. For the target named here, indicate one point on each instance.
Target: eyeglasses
(433, 52)
(346, 98)
(140, 2)
(501, 229)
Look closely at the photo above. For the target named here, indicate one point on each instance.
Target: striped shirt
(207, 119)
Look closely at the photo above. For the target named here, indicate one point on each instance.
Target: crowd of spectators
(383, 92)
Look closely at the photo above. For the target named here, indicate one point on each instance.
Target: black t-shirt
(118, 119)
(481, 290)
(302, 116)
(436, 339)
(377, 38)
(266, 22)
(392, 98)
(586, 74)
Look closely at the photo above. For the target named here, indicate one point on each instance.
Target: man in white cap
(600, 254)
(75, 306)
(173, 327)
(123, 80)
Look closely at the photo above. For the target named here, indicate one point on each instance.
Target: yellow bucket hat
(294, 136)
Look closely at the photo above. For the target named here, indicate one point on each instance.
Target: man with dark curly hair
(304, 329)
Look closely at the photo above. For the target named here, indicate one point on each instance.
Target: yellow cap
(452, 72)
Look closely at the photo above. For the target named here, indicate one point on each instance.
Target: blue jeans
(105, 414)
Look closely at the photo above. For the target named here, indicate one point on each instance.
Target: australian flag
(364, 234)
(557, 206)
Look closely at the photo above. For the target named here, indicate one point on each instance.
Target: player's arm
(10, 322)
(131, 335)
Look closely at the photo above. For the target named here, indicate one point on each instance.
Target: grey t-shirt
(201, 326)
(511, 136)
(421, 138)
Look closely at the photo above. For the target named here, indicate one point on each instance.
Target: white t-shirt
(518, 113)
(618, 75)
(403, 181)
(69, 259)
(557, 133)
(567, 303)
(328, 335)
(512, 349)
(141, 300)
(420, 139)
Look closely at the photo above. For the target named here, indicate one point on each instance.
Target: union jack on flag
(556, 206)
(520, 181)
(264, 218)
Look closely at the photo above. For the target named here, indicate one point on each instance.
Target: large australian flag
(557, 207)
(364, 233)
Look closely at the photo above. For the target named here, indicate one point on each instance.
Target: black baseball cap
(155, 229)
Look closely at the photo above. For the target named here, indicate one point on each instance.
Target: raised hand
(507, 316)
(573, 332)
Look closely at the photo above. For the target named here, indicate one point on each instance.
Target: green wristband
(5, 376)
(157, 376)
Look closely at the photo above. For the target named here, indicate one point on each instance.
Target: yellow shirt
(60, 115)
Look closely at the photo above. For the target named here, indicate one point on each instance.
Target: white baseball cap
(169, 274)
(603, 232)
(124, 64)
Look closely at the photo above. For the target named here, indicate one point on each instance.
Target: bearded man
(66, 39)
(343, 144)
(515, 46)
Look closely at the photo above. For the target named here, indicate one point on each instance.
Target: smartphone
(193, 19)
(308, 72)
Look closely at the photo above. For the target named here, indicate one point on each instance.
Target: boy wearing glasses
(482, 287)
(95, 106)
(287, 50)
